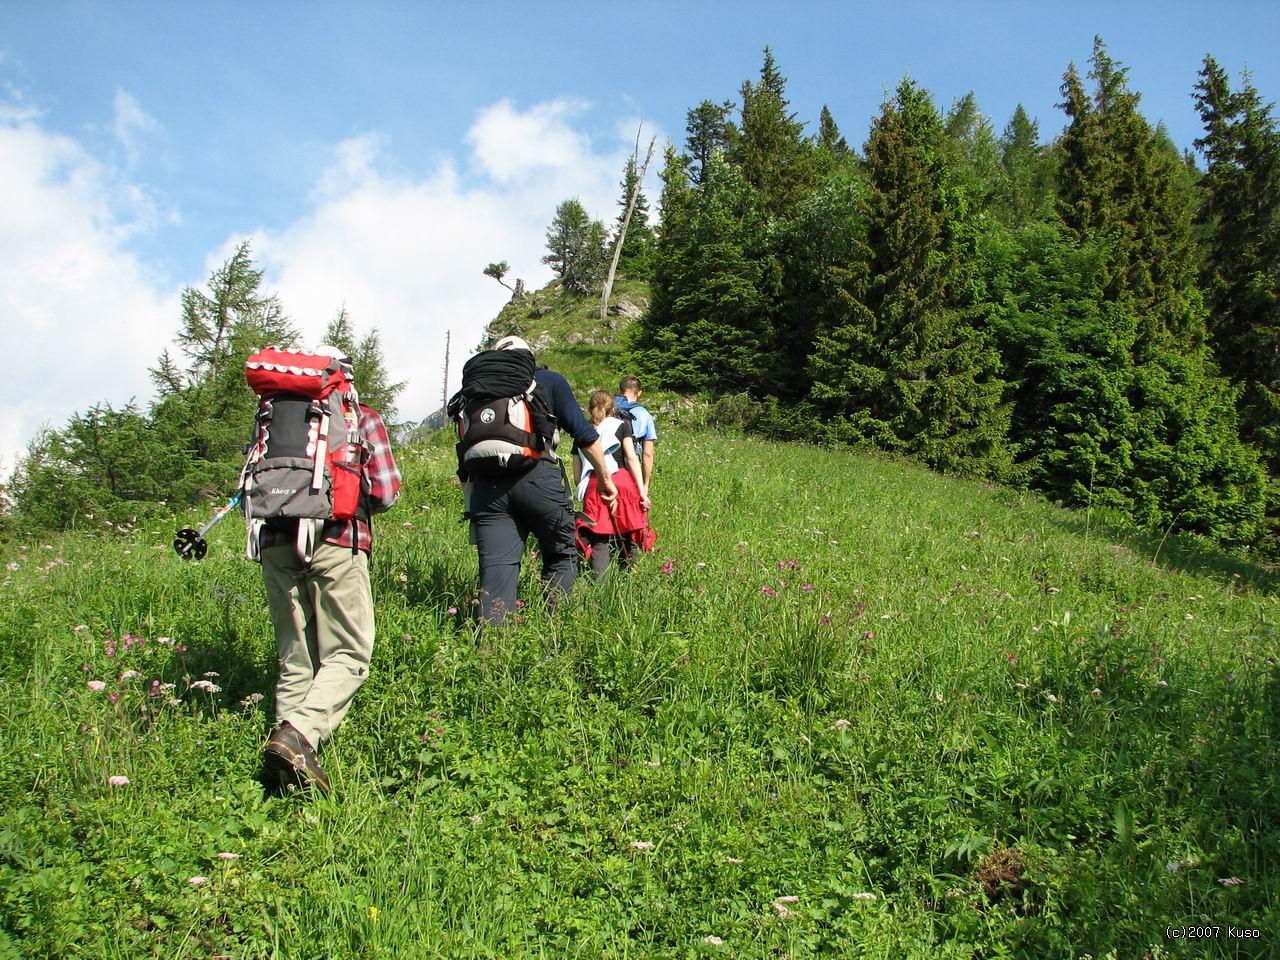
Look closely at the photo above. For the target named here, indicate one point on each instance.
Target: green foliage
(770, 148)
(1025, 189)
(901, 365)
(707, 134)
(710, 323)
(372, 381)
(576, 248)
(637, 244)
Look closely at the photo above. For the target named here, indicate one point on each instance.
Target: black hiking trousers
(504, 511)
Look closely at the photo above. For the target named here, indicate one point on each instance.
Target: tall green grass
(936, 713)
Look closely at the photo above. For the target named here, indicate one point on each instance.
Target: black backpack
(504, 422)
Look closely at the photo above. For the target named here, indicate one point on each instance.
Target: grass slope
(846, 709)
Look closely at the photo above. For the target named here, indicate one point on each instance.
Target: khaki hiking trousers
(323, 619)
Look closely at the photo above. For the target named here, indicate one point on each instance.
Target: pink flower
(807, 587)
(768, 591)
(111, 651)
(115, 697)
(198, 881)
(453, 610)
(228, 856)
(641, 845)
(181, 647)
(1011, 656)
(824, 620)
(98, 685)
(669, 566)
(84, 668)
(118, 781)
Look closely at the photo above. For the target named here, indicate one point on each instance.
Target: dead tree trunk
(622, 234)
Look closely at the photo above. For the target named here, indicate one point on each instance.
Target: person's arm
(380, 478)
(633, 464)
(577, 467)
(569, 413)
(595, 456)
(646, 461)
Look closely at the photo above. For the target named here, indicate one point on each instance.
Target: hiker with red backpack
(508, 415)
(319, 467)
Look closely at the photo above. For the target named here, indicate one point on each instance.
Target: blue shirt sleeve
(566, 408)
(645, 428)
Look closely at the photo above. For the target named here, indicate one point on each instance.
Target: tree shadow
(1178, 552)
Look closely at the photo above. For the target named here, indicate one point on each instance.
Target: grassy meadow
(847, 708)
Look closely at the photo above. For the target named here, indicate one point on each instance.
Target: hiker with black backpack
(508, 415)
(319, 466)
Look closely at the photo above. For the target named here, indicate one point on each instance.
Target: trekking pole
(190, 544)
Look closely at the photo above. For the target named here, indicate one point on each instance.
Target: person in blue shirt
(642, 425)
(504, 510)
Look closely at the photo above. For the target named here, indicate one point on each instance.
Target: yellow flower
(373, 914)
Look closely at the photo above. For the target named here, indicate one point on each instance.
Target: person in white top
(624, 524)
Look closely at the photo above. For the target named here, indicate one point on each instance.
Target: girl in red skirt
(626, 526)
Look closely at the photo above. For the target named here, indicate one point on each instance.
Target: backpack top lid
(497, 373)
(273, 371)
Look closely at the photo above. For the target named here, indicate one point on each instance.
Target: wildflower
(12, 566)
(1162, 683)
(111, 651)
(98, 685)
(475, 819)
(81, 628)
(712, 940)
(206, 685)
(228, 856)
(1190, 616)
(1051, 698)
(404, 578)
(84, 668)
(1011, 657)
(641, 845)
(1097, 692)
(841, 724)
(198, 881)
(118, 781)
(165, 641)
(781, 903)
(519, 603)
(824, 620)
(768, 591)
(181, 647)
(453, 610)
(115, 697)
(653, 763)
(373, 914)
(1021, 686)
(1230, 677)
(734, 860)
(669, 566)
(128, 675)
(862, 895)
(211, 673)
(1231, 881)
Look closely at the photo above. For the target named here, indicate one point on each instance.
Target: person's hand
(608, 493)
(645, 503)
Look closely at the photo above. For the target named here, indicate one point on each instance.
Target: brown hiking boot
(290, 757)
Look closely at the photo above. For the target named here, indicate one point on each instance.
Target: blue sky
(379, 154)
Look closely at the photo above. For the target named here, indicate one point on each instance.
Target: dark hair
(629, 383)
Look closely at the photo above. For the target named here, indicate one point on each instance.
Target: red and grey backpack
(307, 453)
(504, 423)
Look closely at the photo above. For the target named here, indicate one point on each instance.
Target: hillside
(946, 719)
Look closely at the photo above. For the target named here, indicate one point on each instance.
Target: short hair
(629, 383)
(600, 405)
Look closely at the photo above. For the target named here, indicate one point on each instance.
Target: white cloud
(403, 250)
(131, 124)
(406, 253)
(81, 319)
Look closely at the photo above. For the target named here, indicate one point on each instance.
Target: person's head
(512, 343)
(600, 405)
(630, 388)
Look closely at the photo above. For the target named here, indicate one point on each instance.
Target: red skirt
(629, 517)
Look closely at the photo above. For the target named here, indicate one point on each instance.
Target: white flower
(653, 763)
(863, 896)
(641, 845)
(1051, 698)
(211, 673)
(118, 781)
(733, 860)
(1231, 881)
(228, 856)
(712, 940)
(81, 627)
(841, 724)
(1097, 692)
(198, 881)
(129, 675)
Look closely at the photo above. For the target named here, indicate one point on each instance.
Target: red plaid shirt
(379, 487)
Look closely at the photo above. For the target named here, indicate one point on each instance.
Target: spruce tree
(372, 380)
(707, 130)
(1125, 188)
(902, 365)
(638, 243)
(576, 248)
(1026, 180)
(770, 148)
